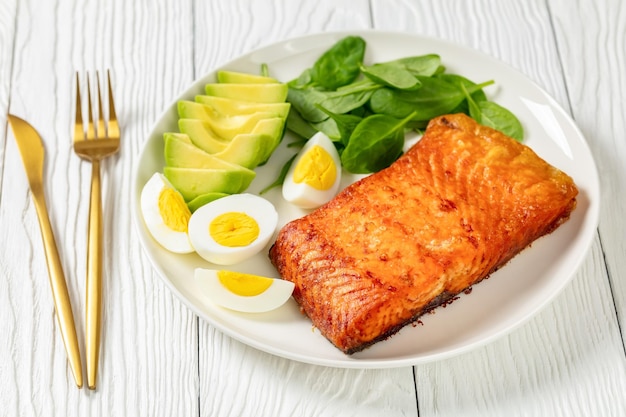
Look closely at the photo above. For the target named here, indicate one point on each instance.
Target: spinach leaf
(344, 100)
(434, 98)
(339, 65)
(341, 101)
(304, 100)
(375, 143)
(472, 107)
(385, 101)
(426, 65)
(344, 125)
(303, 81)
(391, 76)
(401, 73)
(362, 84)
(477, 95)
(329, 128)
(489, 113)
(265, 71)
(498, 117)
(299, 126)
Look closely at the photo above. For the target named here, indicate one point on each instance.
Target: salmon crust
(455, 207)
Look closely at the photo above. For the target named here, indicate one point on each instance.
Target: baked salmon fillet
(453, 209)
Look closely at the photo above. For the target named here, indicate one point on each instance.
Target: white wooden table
(158, 358)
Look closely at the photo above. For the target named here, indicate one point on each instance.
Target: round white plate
(505, 300)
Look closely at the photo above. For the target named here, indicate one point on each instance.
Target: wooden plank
(239, 380)
(8, 10)
(562, 360)
(596, 89)
(239, 26)
(149, 351)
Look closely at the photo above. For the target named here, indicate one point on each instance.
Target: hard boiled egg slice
(165, 214)
(315, 174)
(233, 228)
(243, 292)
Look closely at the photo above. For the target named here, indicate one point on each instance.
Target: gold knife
(32, 152)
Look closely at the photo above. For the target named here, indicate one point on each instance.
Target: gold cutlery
(94, 144)
(33, 155)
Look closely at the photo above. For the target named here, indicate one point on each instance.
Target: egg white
(303, 195)
(172, 240)
(261, 210)
(273, 297)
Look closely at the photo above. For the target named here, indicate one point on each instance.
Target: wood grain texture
(149, 349)
(8, 10)
(237, 380)
(597, 86)
(240, 26)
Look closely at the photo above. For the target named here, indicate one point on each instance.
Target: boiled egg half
(165, 214)
(243, 292)
(233, 228)
(315, 174)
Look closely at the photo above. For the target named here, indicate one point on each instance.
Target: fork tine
(91, 134)
(114, 129)
(79, 130)
(100, 133)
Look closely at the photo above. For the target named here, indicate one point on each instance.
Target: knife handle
(59, 290)
(94, 277)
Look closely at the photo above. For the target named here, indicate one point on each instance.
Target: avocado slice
(193, 182)
(225, 76)
(181, 152)
(225, 127)
(232, 107)
(274, 130)
(177, 136)
(259, 93)
(203, 199)
(246, 149)
(202, 135)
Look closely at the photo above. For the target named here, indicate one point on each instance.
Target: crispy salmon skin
(454, 208)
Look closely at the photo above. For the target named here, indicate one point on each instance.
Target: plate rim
(350, 362)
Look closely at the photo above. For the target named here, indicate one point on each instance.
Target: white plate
(508, 298)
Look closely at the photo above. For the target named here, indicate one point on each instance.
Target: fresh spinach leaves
(339, 127)
(489, 113)
(365, 109)
(494, 115)
(435, 97)
(401, 73)
(375, 143)
(341, 64)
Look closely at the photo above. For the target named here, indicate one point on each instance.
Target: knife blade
(33, 154)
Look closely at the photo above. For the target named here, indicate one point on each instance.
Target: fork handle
(94, 278)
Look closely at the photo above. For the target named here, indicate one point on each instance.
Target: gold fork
(94, 144)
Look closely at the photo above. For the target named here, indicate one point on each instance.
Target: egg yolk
(173, 210)
(316, 168)
(246, 285)
(234, 229)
